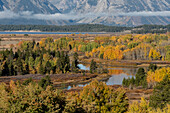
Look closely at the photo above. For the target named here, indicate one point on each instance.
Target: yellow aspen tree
(158, 75)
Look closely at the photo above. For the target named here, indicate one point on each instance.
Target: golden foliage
(158, 75)
(143, 107)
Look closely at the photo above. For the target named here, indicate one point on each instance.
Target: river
(12, 32)
(117, 75)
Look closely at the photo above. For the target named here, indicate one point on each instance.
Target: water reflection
(118, 74)
(79, 85)
(83, 67)
(117, 79)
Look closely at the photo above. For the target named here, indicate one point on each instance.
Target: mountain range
(36, 6)
(66, 12)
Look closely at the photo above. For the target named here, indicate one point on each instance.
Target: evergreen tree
(11, 69)
(140, 75)
(152, 67)
(5, 70)
(26, 71)
(41, 69)
(124, 82)
(74, 66)
(67, 61)
(59, 64)
(44, 82)
(140, 79)
(132, 81)
(75, 57)
(19, 66)
(93, 66)
(48, 67)
(161, 94)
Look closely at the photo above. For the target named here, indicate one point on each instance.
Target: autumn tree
(157, 76)
(98, 97)
(154, 55)
(30, 98)
(161, 93)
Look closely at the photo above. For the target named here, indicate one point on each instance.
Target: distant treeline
(88, 28)
(151, 29)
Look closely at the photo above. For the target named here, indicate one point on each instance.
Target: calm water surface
(3, 32)
(118, 74)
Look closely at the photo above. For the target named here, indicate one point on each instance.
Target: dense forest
(42, 58)
(151, 29)
(88, 28)
(66, 28)
(50, 56)
(127, 47)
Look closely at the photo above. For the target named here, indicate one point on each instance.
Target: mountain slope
(1, 5)
(109, 11)
(111, 5)
(35, 6)
(66, 12)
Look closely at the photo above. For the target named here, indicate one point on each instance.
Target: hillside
(71, 12)
(35, 6)
(111, 6)
(117, 12)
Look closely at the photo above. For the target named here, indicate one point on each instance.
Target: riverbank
(124, 63)
(59, 80)
(134, 95)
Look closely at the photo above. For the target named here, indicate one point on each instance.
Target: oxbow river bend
(117, 75)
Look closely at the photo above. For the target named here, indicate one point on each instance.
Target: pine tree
(48, 67)
(132, 81)
(93, 66)
(124, 82)
(152, 67)
(11, 69)
(44, 82)
(19, 66)
(5, 70)
(74, 65)
(41, 69)
(67, 61)
(26, 71)
(140, 75)
(161, 94)
(75, 57)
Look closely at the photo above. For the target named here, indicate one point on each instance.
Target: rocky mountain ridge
(108, 12)
(84, 6)
(35, 6)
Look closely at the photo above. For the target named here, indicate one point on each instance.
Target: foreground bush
(98, 97)
(31, 98)
(143, 107)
